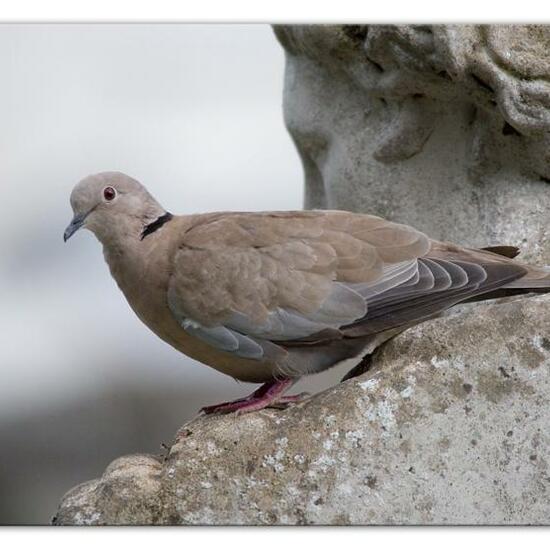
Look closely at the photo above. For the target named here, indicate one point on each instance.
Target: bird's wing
(242, 279)
(445, 276)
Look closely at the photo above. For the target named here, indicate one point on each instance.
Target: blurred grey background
(192, 111)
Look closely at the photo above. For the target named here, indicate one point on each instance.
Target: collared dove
(270, 297)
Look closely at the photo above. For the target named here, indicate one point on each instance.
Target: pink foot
(267, 395)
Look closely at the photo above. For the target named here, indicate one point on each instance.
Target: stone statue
(443, 127)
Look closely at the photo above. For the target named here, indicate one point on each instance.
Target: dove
(270, 297)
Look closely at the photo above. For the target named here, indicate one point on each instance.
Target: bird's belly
(161, 321)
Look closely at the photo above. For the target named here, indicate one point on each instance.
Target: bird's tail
(536, 279)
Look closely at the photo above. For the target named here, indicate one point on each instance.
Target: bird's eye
(109, 193)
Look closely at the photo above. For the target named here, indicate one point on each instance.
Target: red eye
(109, 193)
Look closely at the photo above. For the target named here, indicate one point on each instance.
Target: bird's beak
(76, 223)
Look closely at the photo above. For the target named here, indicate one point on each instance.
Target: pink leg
(269, 394)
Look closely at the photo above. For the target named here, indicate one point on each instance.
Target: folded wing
(243, 282)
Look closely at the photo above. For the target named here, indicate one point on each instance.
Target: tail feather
(503, 250)
(536, 278)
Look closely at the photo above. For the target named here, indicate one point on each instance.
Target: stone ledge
(449, 427)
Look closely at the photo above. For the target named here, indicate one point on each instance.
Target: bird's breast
(144, 281)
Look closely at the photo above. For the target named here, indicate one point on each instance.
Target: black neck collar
(157, 224)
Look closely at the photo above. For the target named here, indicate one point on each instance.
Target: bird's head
(112, 205)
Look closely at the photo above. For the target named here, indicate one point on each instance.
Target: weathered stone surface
(450, 426)
(127, 493)
(444, 127)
